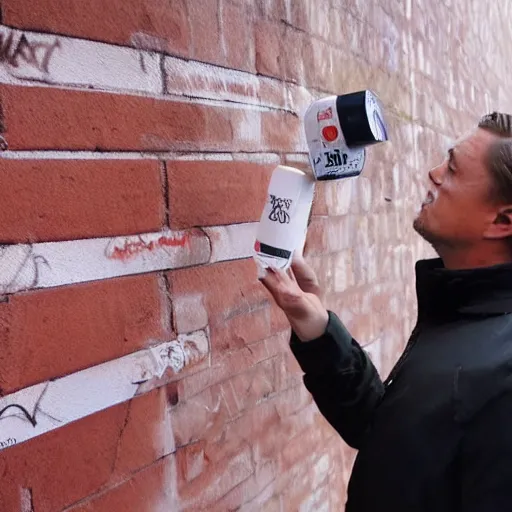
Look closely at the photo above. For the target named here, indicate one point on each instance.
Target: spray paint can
(338, 130)
(283, 225)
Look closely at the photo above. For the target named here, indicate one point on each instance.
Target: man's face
(458, 207)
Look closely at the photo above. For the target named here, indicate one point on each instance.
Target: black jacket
(436, 436)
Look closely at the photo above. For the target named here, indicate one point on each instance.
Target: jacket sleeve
(484, 465)
(341, 378)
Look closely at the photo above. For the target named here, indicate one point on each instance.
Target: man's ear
(501, 227)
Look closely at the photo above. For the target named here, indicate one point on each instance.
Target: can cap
(361, 119)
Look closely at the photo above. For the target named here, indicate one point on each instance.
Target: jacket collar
(446, 293)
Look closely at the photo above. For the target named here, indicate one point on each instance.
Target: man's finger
(269, 278)
(275, 278)
(281, 286)
(299, 265)
(291, 275)
(302, 271)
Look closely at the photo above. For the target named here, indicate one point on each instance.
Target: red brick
(215, 193)
(272, 504)
(275, 433)
(249, 489)
(238, 36)
(65, 465)
(149, 23)
(274, 9)
(296, 487)
(79, 120)
(61, 468)
(268, 48)
(300, 447)
(278, 319)
(281, 132)
(316, 240)
(292, 401)
(279, 51)
(241, 330)
(320, 200)
(263, 418)
(234, 466)
(47, 200)
(191, 461)
(218, 464)
(317, 63)
(146, 435)
(293, 373)
(152, 489)
(204, 19)
(201, 417)
(271, 423)
(92, 120)
(229, 290)
(251, 387)
(50, 333)
(300, 14)
(228, 364)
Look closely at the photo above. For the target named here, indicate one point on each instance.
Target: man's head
(468, 207)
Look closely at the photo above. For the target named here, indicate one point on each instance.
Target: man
(436, 436)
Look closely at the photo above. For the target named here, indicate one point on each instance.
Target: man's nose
(436, 174)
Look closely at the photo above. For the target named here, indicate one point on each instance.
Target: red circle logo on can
(330, 133)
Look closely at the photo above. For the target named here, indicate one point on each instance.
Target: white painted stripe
(258, 158)
(46, 60)
(38, 409)
(77, 62)
(200, 80)
(168, 97)
(49, 264)
(232, 242)
(263, 158)
(44, 265)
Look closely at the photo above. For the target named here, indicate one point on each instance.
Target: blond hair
(499, 158)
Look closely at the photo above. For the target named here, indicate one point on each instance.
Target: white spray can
(284, 221)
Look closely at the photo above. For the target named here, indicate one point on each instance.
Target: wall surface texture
(143, 367)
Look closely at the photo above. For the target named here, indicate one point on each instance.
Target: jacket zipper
(412, 341)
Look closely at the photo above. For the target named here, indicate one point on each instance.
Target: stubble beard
(420, 227)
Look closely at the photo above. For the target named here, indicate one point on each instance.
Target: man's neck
(476, 257)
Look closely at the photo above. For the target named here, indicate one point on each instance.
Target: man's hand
(297, 293)
(305, 276)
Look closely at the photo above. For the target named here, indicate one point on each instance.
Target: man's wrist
(311, 328)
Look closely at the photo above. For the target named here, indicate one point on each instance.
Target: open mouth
(428, 199)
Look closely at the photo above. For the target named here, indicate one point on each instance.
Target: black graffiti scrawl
(335, 158)
(14, 51)
(280, 208)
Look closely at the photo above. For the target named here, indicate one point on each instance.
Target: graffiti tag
(335, 158)
(31, 418)
(18, 49)
(8, 442)
(280, 207)
(130, 247)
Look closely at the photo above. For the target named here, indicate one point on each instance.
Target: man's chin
(420, 228)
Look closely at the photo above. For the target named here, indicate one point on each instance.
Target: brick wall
(142, 366)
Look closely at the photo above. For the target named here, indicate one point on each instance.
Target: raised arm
(338, 373)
